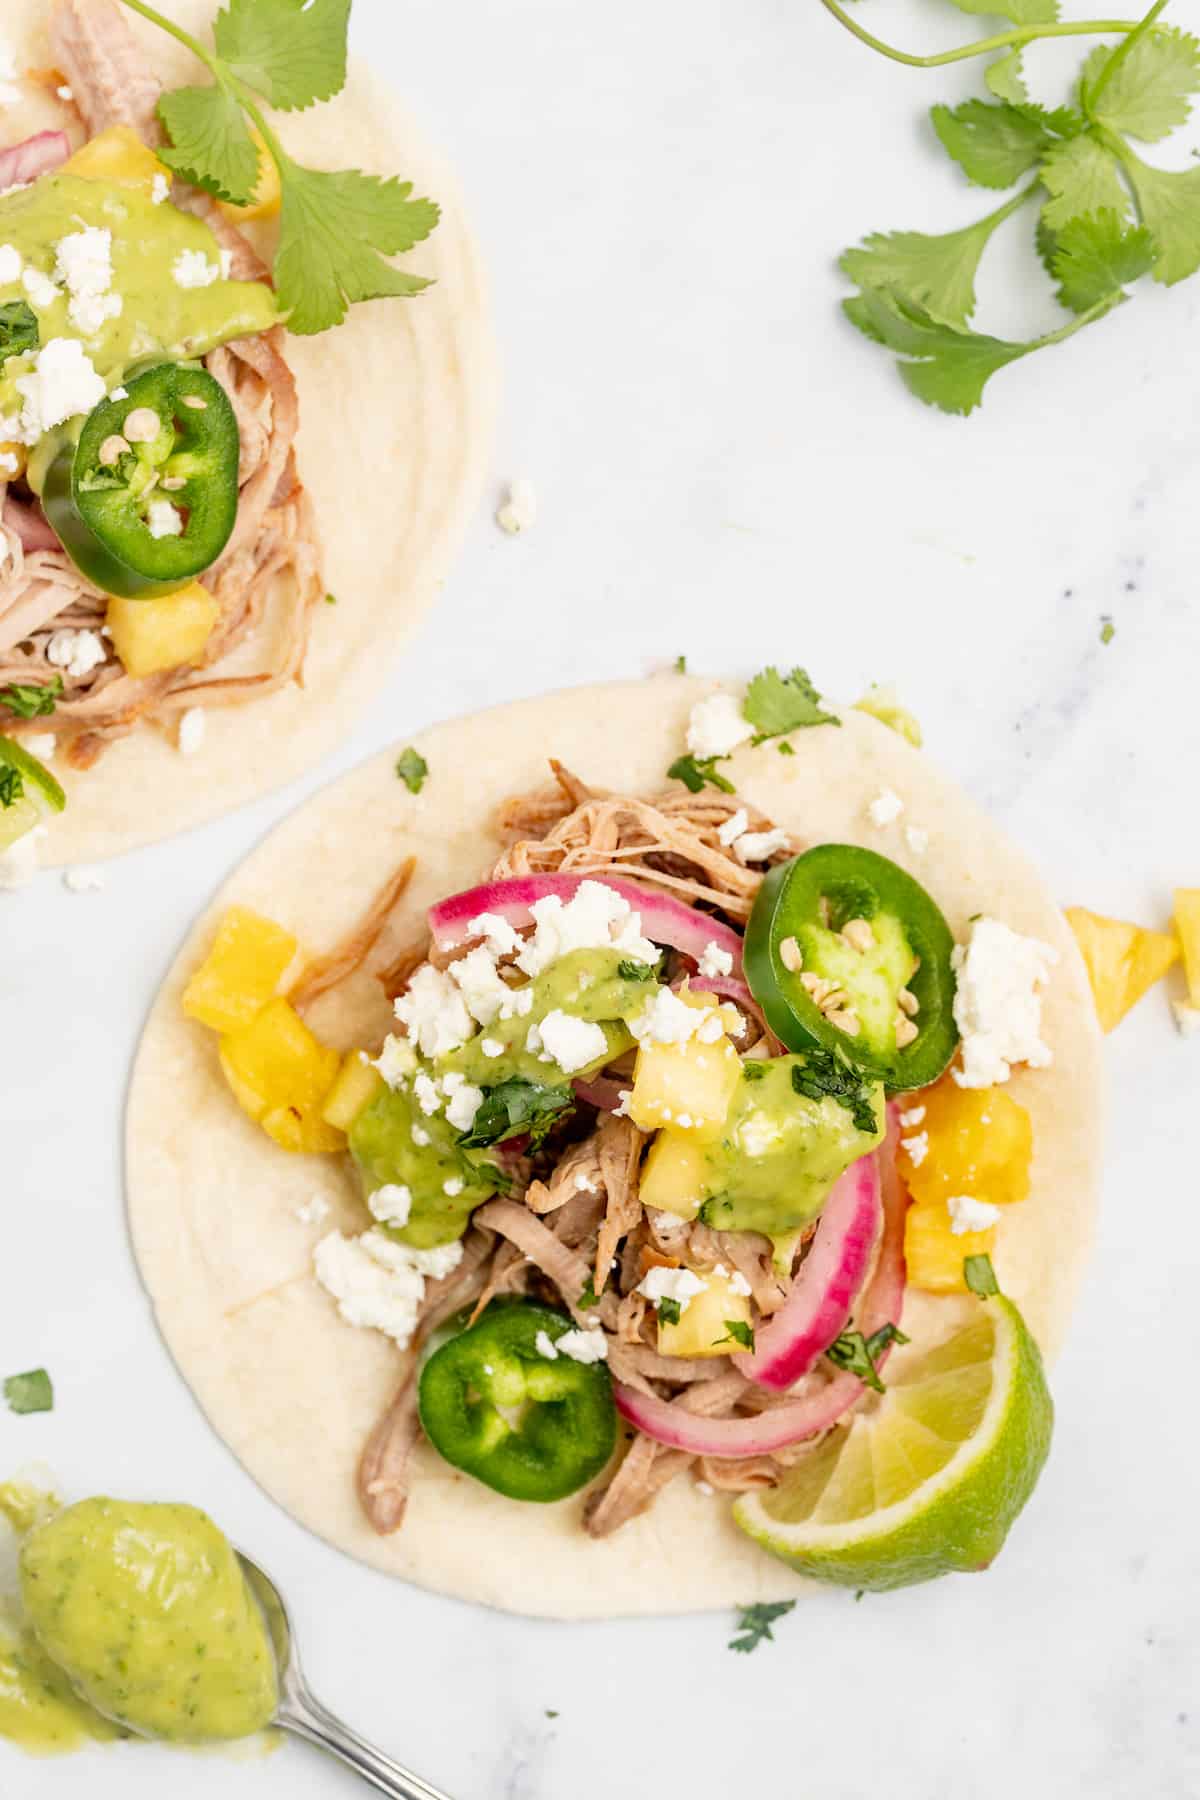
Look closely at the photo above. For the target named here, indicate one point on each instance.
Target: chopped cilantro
(516, 1106)
(858, 1354)
(588, 1297)
(331, 599)
(1108, 630)
(754, 1624)
(669, 1311)
(777, 703)
(786, 749)
(695, 771)
(980, 1276)
(681, 665)
(18, 330)
(753, 1071)
(412, 769)
(824, 1073)
(32, 1392)
(12, 785)
(738, 1332)
(551, 1715)
(32, 701)
(629, 970)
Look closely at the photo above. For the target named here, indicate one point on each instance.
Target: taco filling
(675, 1112)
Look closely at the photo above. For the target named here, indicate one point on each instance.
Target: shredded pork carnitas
(269, 576)
(573, 1216)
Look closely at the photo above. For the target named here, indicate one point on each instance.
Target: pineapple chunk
(119, 157)
(687, 1086)
(673, 1174)
(976, 1141)
(151, 635)
(268, 193)
(281, 1075)
(356, 1086)
(934, 1254)
(1123, 960)
(1187, 924)
(241, 972)
(705, 1321)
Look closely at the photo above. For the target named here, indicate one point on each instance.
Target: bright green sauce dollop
(145, 1611)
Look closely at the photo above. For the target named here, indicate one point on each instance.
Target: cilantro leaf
(292, 52)
(778, 703)
(754, 1624)
(936, 272)
(1169, 204)
(18, 330)
(1148, 92)
(993, 145)
(669, 1311)
(335, 229)
(32, 701)
(1021, 12)
(516, 1106)
(629, 970)
(980, 1276)
(695, 771)
(823, 1074)
(946, 367)
(850, 1351)
(588, 1297)
(412, 769)
(1082, 177)
(211, 145)
(12, 786)
(1006, 78)
(738, 1332)
(32, 1392)
(1095, 256)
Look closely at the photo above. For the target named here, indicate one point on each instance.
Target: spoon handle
(307, 1718)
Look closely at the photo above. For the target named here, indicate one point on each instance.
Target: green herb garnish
(32, 1392)
(669, 1311)
(738, 1332)
(753, 1071)
(629, 970)
(30, 701)
(777, 703)
(331, 599)
(589, 1296)
(516, 1106)
(754, 1624)
(681, 665)
(858, 1354)
(980, 1276)
(824, 1074)
(12, 786)
(412, 769)
(695, 771)
(18, 330)
(336, 227)
(1108, 630)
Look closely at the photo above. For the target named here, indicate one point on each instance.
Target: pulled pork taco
(196, 452)
(631, 1184)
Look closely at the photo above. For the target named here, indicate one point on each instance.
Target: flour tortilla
(397, 411)
(213, 1203)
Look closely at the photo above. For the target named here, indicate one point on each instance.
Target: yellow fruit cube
(356, 1086)
(1123, 960)
(1187, 924)
(703, 1328)
(117, 156)
(281, 1075)
(152, 635)
(267, 195)
(673, 1174)
(934, 1254)
(976, 1141)
(241, 972)
(686, 1086)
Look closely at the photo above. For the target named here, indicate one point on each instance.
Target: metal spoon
(300, 1713)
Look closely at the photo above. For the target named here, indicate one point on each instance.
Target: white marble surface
(724, 469)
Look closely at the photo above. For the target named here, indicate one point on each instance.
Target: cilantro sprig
(754, 1624)
(859, 1355)
(1106, 218)
(516, 1107)
(32, 700)
(337, 228)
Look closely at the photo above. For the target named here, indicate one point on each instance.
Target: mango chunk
(686, 1086)
(118, 156)
(1187, 924)
(1123, 960)
(673, 1174)
(241, 972)
(976, 1141)
(268, 194)
(152, 635)
(357, 1084)
(281, 1076)
(934, 1254)
(703, 1328)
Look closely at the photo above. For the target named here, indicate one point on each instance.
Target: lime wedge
(31, 789)
(930, 1477)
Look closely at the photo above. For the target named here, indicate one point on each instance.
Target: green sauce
(145, 1612)
(159, 318)
(39, 1709)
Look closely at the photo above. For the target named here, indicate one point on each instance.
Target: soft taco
(688, 1143)
(195, 453)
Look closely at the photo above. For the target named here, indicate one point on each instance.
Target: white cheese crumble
(717, 726)
(164, 520)
(391, 1203)
(19, 863)
(572, 1042)
(914, 1116)
(917, 1147)
(453, 1187)
(681, 1285)
(734, 826)
(10, 464)
(313, 1211)
(543, 1343)
(192, 269)
(967, 1214)
(886, 808)
(737, 1281)
(427, 1096)
(396, 1060)
(757, 846)
(757, 1135)
(77, 652)
(11, 264)
(916, 839)
(518, 511)
(41, 744)
(584, 1345)
(595, 918)
(491, 1047)
(160, 189)
(84, 266)
(997, 1006)
(84, 881)
(483, 990)
(192, 727)
(377, 1283)
(62, 385)
(463, 1100)
(420, 1137)
(715, 961)
(667, 1019)
(499, 936)
(435, 1012)
(40, 288)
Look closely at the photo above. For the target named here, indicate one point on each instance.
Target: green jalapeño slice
(846, 950)
(530, 1426)
(148, 498)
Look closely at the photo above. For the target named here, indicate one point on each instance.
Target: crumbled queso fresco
(379, 1283)
(997, 1005)
(967, 1214)
(717, 726)
(590, 1346)
(680, 1285)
